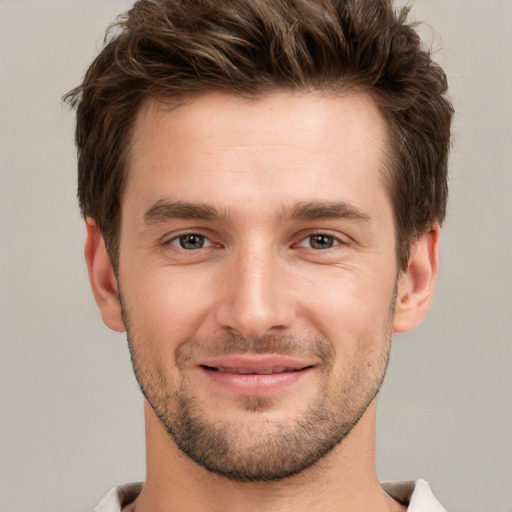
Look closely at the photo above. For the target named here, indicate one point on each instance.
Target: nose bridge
(256, 299)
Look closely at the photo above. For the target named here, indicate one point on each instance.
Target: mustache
(232, 344)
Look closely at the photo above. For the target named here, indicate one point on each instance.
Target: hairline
(387, 171)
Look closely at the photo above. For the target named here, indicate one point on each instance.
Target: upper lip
(261, 363)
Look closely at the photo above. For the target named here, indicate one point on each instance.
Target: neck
(344, 480)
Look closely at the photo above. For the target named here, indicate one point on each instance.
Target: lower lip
(256, 384)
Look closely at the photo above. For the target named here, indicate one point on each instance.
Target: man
(263, 184)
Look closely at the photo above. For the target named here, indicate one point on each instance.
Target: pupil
(192, 241)
(321, 241)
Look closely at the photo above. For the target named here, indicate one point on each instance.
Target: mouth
(256, 375)
(245, 371)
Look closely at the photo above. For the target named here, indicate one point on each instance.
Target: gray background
(71, 415)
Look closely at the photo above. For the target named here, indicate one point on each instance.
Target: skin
(260, 277)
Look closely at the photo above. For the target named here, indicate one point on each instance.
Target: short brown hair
(163, 48)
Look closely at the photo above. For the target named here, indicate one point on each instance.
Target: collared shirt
(416, 494)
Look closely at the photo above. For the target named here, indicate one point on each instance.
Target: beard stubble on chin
(263, 448)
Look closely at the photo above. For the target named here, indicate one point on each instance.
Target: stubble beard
(265, 449)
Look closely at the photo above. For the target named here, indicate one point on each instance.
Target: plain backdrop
(71, 414)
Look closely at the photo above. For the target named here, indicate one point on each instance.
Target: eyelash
(178, 237)
(336, 241)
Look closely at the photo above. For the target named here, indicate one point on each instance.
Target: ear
(416, 283)
(102, 278)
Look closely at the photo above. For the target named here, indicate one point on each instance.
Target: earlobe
(102, 278)
(416, 284)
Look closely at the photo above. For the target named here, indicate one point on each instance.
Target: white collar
(416, 493)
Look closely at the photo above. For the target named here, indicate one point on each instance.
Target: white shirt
(416, 493)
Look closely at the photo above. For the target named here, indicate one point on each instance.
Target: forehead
(350, 116)
(297, 146)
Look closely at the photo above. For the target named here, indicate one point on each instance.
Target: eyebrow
(316, 210)
(164, 210)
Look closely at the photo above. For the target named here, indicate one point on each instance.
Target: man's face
(258, 274)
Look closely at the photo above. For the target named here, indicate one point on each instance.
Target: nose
(256, 299)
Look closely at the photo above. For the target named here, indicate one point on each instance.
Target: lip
(255, 375)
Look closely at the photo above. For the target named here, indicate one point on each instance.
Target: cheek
(167, 306)
(353, 308)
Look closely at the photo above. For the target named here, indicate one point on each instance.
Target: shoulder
(416, 494)
(119, 497)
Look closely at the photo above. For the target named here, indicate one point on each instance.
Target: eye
(320, 241)
(190, 241)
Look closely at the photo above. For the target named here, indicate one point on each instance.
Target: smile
(244, 371)
(255, 375)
